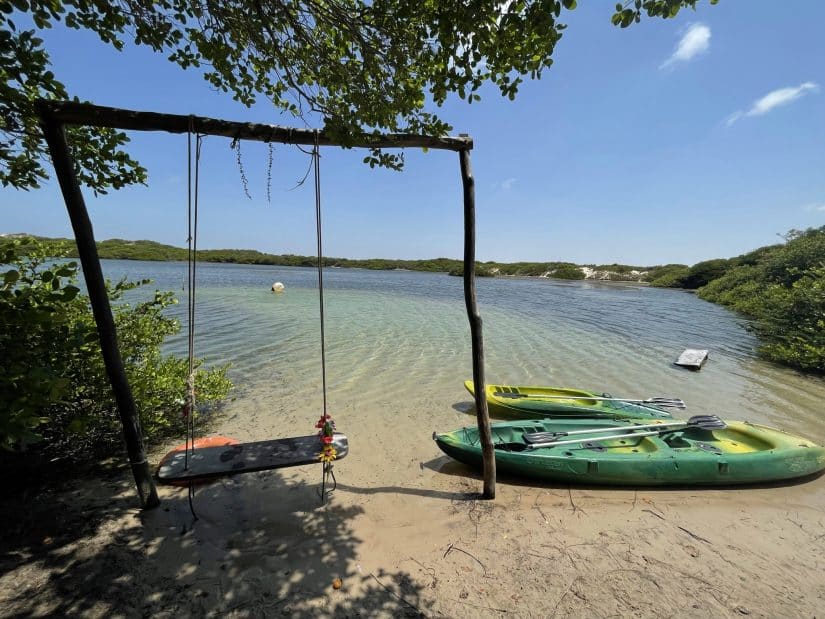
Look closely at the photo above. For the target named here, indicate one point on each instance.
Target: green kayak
(638, 453)
(511, 402)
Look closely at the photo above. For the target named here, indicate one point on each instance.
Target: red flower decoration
(326, 440)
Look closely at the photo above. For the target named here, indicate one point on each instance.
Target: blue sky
(670, 141)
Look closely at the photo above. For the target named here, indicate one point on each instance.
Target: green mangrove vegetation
(56, 404)
(119, 249)
(781, 288)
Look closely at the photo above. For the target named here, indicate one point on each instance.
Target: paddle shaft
(704, 422)
(602, 438)
(639, 427)
(656, 402)
(503, 394)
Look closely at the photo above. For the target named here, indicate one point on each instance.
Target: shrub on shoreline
(56, 403)
(782, 289)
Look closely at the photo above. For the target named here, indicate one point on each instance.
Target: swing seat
(223, 460)
(200, 443)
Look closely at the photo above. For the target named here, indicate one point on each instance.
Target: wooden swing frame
(55, 115)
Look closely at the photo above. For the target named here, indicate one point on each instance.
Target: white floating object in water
(277, 287)
(692, 359)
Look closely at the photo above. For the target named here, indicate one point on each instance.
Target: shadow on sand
(260, 547)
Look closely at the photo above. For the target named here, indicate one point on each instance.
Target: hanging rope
(192, 255)
(192, 262)
(326, 424)
(193, 265)
(316, 155)
(189, 404)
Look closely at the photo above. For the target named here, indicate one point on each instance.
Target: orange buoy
(207, 441)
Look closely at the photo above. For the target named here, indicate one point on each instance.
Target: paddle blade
(707, 422)
(667, 402)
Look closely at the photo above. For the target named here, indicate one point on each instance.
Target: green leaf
(11, 276)
(70, 292)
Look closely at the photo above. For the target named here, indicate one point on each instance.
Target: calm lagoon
(398, 341)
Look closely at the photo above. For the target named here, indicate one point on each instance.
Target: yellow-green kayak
(516, 402)
(630, 453)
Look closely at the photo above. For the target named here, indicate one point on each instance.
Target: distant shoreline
(119, 249)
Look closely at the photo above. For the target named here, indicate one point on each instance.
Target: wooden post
(93, 273)
(482, 415)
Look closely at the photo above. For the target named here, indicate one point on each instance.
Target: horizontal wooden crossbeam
(74, 113)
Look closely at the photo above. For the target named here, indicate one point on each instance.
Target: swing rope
(259, 455)
(188, 397)
(316, 158)
(192, 262)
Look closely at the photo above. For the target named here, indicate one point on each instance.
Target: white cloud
(773, 100)
(695, 41)
(815, 207)
(782, 96)
(507, 184)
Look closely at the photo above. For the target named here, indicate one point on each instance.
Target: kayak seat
(677, 440)
(511, 446)
(736, 441)
(631, 445)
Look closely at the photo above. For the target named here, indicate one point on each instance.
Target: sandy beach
(407, 535)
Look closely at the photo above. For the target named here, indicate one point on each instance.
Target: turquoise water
(399, 343)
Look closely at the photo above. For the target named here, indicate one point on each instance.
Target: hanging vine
(236, 146)
(269, 174)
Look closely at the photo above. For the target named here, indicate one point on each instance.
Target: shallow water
(399, 341)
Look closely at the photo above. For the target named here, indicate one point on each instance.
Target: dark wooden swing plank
(213, 462)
